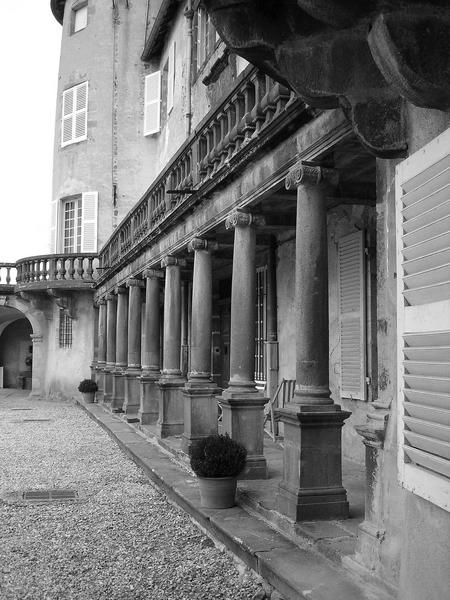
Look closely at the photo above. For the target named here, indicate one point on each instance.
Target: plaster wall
(66, 367)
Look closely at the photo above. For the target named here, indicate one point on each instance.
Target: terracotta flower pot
(88, 397)
(217, 492)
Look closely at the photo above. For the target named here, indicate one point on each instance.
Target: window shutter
(171, 79)
(74, 114)
(352, 315)
(54, 226)
(152, 103)
(89, 222)
(423, 270)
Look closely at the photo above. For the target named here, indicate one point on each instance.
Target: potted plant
(88, 388)
(217, 460)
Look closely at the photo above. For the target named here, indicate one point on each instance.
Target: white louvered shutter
(152, 103)
(423, 271)
(89, 221)
(171, 78)
(74, 114)
(54, 218)
(352, 315)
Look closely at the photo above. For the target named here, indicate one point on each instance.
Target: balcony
(52, 271)
(251, 118)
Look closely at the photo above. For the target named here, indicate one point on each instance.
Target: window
(261, 324)
(74, 223)
(65, 330)
(152, 103)
(205, 39)
(74, 114)
(79, 18)
(352, 316)
(423, 321)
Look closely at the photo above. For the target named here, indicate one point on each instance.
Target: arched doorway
(16, 349)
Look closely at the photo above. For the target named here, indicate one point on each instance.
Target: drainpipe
(189, 14)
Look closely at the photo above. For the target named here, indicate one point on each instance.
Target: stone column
(272, 327)
(312, 474)
(170, 420)
(133, 372)
(39, 363)
(242, 404)
(184, 328)
(118, 395)
(111, 323)
(101, 362)
(95, 345)
(151, 369)
(200, 404)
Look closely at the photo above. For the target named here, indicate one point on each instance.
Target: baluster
(259, 81)
(240, 121)
(62, 268)
(71, 271)
(53, 268)
(44, 270)
(8, 275)
(80, 269)
(89, 269)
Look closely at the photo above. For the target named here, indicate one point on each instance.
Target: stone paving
(121, 540)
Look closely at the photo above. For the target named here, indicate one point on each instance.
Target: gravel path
(122, 541)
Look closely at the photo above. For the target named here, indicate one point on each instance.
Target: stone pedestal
(312, 473)
(118, 390)
(312, 441)
(241, 403)
(132, 394)
(171, 414)
(149, 398)
(108, 383)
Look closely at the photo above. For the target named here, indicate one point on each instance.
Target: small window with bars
(261, 325)
(65, 330)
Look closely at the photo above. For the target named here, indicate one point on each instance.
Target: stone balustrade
(56, 270)
(253, 111)
(8, 274)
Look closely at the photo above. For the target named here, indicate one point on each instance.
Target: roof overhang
(155, 40)
(57, 7)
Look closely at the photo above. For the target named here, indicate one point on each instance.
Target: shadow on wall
(16, 351)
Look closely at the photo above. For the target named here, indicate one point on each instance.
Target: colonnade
(134, 380)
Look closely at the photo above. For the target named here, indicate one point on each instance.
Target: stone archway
(13, 310)
(16, 349)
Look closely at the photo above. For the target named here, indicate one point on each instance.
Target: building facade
(245, 212)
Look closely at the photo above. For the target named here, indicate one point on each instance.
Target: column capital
(120, 289)
(172, 261)
(152, 274)
(239, 218)
(101, 301)
(310, 175)
(110, 296)
(133, 282)
(202, 244)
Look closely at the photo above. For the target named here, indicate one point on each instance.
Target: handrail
(254, 104)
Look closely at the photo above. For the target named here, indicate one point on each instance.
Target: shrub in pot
(88, 388)
(217, 460)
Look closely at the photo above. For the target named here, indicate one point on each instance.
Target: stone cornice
(310, 175)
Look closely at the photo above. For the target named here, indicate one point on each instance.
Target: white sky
(29, 58)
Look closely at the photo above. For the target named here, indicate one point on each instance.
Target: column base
(118, 393)
(108, 383)
(132, 395)
(312, 488)
(149, 398)
(243, 420)
(200, 412)
(100, 380)
(171, 414)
